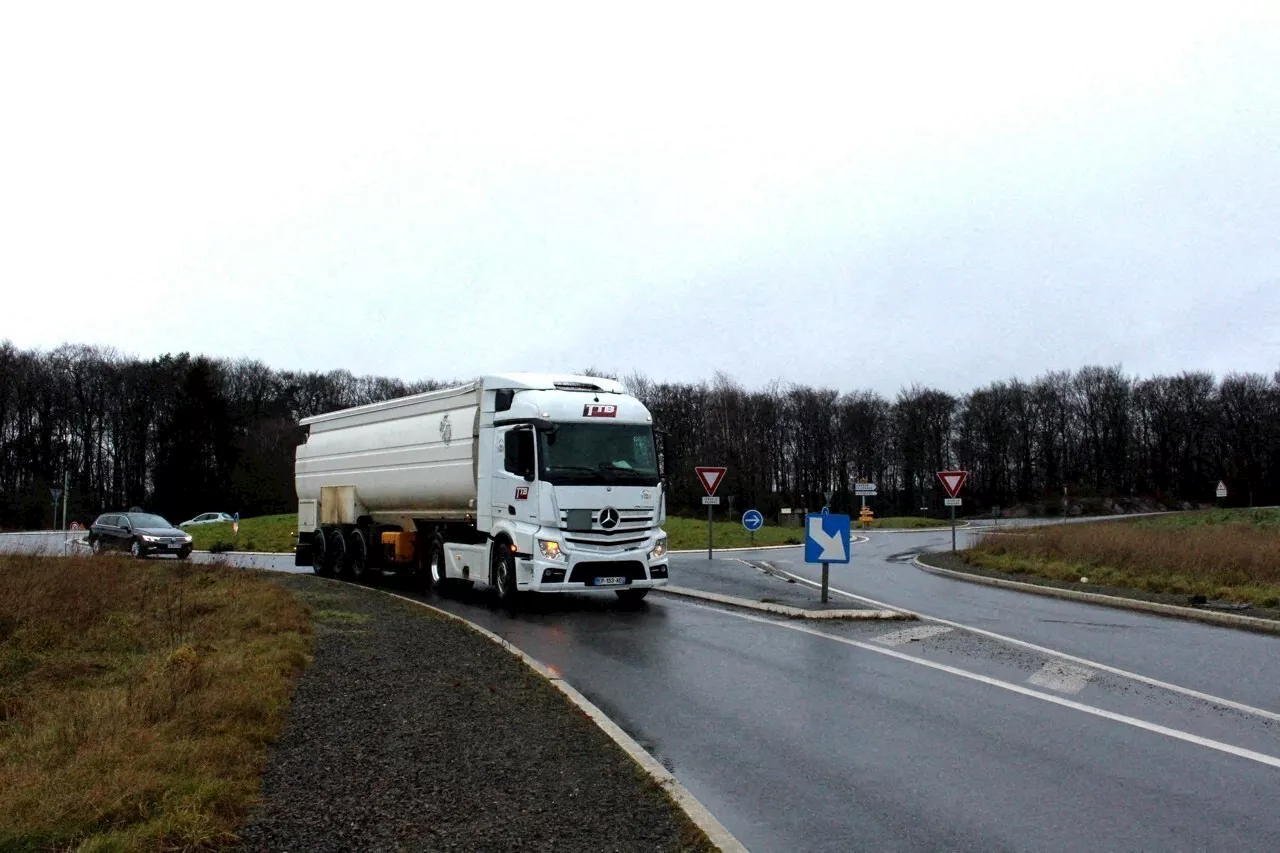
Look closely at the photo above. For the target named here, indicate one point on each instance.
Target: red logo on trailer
(599, 410)
(952, 481)
(522, 493)
(711, 478)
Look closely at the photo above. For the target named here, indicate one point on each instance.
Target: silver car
(208, 518)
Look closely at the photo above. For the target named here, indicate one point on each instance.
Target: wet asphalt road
(838, 737)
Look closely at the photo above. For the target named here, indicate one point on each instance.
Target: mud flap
(302, 554)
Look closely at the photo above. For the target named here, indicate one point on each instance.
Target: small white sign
(953, 501)
(1222, 489)
(708, 500)
(864, 488)
(866, 493)
(786, 510)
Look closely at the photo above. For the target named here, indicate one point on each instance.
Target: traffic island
(759, 585)
(1262, 619)
(412, 731)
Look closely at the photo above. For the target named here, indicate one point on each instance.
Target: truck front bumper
(585, 572)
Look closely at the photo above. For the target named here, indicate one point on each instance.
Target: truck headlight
(550, 549)
(659, 549)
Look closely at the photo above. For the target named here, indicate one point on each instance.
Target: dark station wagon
(138, 533)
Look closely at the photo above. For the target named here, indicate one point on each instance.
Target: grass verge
(1231, 555)
(138, 700)
(907, 522)
(263, 533)
(685, 534)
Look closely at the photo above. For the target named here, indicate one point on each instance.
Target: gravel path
(412, 732)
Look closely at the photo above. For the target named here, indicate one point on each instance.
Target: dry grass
(1233, 558)
(137, 700)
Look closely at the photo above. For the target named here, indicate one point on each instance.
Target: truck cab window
(518, 456)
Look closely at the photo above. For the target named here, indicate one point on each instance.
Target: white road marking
(1176, 734)
(1062, 677)
(1102, 667)
(921, 632)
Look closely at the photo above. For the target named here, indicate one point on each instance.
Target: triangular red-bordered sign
(711, 478)
(952, 481)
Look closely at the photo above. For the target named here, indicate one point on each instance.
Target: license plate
(610, 581)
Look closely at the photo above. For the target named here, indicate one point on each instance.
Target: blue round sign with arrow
(752, 520)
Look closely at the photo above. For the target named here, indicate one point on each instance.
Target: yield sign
(710, 478)
(952, 481)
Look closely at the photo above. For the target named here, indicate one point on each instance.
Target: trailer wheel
(358, 557)
(504, 575)
(338, 550)
(321, 563)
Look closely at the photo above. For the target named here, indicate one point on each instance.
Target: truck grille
(585, 528)
(632, 570)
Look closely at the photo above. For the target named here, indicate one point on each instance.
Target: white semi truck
(525, 482)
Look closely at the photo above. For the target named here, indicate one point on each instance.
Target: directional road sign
(752, 520)
(952, 481)
(826, 538)
(864, 488)
(711, 478)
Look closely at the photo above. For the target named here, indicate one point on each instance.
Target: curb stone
(1231, 620)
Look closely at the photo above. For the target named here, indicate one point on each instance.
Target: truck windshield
(594, 454)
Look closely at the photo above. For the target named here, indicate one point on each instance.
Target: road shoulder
(412, 731)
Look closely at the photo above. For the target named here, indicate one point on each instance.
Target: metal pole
(709, 508)
(953, 528)
(66, 489)
(824, 583)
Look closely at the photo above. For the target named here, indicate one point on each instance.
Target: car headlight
(186, 539)
(659, 549)
(150, 539)
(550, 549)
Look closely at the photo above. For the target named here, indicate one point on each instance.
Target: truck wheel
(504, 576)
(631, 597)
(338, 550)
(435, 565)
(358, 557)
(321, 563)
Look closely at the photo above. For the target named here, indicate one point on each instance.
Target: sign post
(711, 477)
(864, 490)
(952, 481)
(826, 541)
(753, 521)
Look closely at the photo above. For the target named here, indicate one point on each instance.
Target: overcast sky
(892, 193)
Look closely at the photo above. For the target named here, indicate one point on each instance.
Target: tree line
(183, 434)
